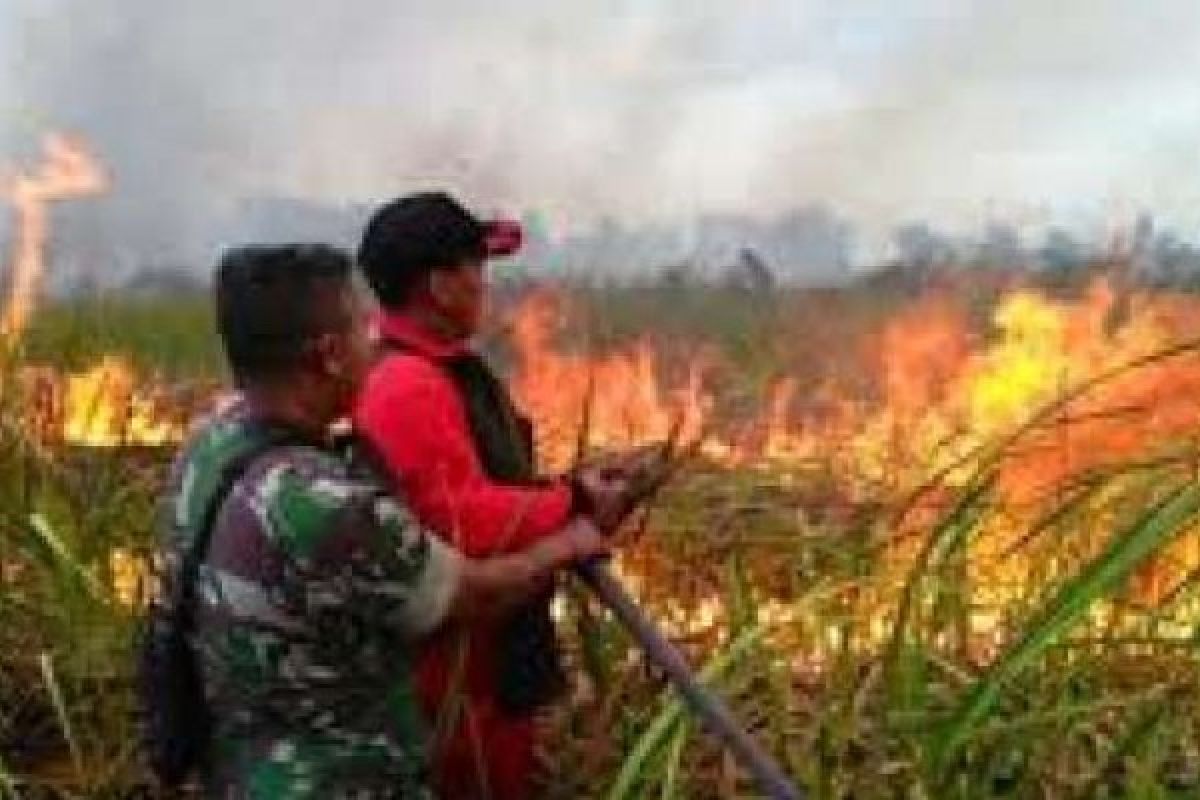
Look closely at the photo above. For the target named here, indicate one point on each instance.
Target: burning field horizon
(934, 542)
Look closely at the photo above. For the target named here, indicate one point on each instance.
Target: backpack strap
(176, 723)
(263, 437)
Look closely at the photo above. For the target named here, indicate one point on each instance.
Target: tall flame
(619, 398)
(67, 171)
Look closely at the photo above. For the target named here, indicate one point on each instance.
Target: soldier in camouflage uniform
(315, 581)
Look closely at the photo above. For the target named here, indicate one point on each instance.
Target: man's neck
(287, 406)
(435, 324)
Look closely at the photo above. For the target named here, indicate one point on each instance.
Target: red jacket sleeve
(411, 414)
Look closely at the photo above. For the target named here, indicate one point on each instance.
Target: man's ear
(438, 285)
(328, 357)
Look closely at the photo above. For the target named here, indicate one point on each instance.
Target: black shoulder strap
(263, 438)
(529, 657)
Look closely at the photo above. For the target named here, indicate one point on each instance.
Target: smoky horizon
(822, 136)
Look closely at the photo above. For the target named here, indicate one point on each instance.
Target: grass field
(964, 576)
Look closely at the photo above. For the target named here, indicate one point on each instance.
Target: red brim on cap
(502, 237)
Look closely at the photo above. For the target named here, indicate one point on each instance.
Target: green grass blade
(8, 784)
(670, 786)
(1145, 722)
(61, 556)
(60, 709)
(950, 532)
(1125, 552)
(634, 769)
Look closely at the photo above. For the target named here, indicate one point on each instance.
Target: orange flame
(105, 407)
(67, 171)
(940, 389)
(619, 395)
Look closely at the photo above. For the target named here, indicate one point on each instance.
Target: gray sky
(1073, 111)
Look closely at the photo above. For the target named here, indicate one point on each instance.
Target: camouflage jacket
(315, 583)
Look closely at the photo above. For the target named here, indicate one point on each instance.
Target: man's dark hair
(273, 300)
(413, 235)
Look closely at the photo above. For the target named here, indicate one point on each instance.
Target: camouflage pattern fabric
(314, 585)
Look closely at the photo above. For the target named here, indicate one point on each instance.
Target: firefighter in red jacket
(450, 439)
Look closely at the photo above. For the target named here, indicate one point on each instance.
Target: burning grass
(938, 552)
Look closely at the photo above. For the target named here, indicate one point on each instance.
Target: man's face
(459, 293)
(346, 354)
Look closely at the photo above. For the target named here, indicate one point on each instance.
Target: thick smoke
(219, 120)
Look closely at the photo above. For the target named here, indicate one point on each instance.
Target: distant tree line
(1153, 255)
(809, 246)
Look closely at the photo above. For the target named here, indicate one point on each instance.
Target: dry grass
(916, 637)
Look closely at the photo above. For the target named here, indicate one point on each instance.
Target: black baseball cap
(427, 230)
